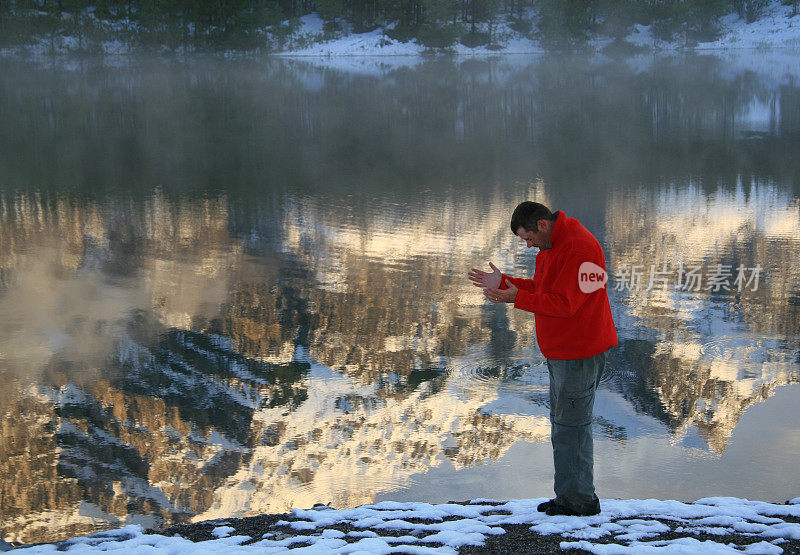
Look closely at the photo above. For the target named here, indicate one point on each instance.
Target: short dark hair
(527, 215)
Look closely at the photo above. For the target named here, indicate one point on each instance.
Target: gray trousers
(573, 384)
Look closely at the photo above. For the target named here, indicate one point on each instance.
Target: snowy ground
(712, 525)
(776, 29)
(376, 43)
(775, 35)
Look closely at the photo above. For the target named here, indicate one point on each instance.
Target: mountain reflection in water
(301, 330)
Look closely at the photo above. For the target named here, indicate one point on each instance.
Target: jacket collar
(561, 221)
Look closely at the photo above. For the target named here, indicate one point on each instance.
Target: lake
(239, 286)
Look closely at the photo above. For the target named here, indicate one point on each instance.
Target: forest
(438, 24)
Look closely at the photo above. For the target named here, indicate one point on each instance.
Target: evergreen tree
(615, 17)
(480, 13)
(750, 9)
(518, 16)
(332, 12)
(436, 23)
(438, 28)
(564, 23)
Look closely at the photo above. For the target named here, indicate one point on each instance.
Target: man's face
(538, 238)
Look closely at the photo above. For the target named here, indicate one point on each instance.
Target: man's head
(533, 222)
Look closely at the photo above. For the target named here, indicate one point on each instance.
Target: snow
(768, 47)
(777, 28)
(222, 531)
(377, 43)
(625, 526)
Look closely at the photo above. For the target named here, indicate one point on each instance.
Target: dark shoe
(546, 505)
(556, 509)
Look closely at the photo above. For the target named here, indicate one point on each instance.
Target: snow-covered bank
(711, 525)
(377, 43)
(777, 28)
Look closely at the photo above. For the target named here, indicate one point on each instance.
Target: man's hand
(483, 279)
(502, 295)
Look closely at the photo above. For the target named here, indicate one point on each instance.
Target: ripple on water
(727, 348)
(486, 372)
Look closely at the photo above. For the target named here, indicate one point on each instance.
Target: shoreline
(716, 524)
(33, 50)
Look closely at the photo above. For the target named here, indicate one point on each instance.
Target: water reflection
(709, 354)
(301, 329)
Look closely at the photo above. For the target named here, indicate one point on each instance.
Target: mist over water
(238, 287)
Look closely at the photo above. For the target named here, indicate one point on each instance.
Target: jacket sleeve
(565, 297)
(523, 284)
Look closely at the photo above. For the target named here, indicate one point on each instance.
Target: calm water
(238, 287)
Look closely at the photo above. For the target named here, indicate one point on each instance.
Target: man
(574, 329)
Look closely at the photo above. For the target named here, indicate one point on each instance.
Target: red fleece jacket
(570, 324)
